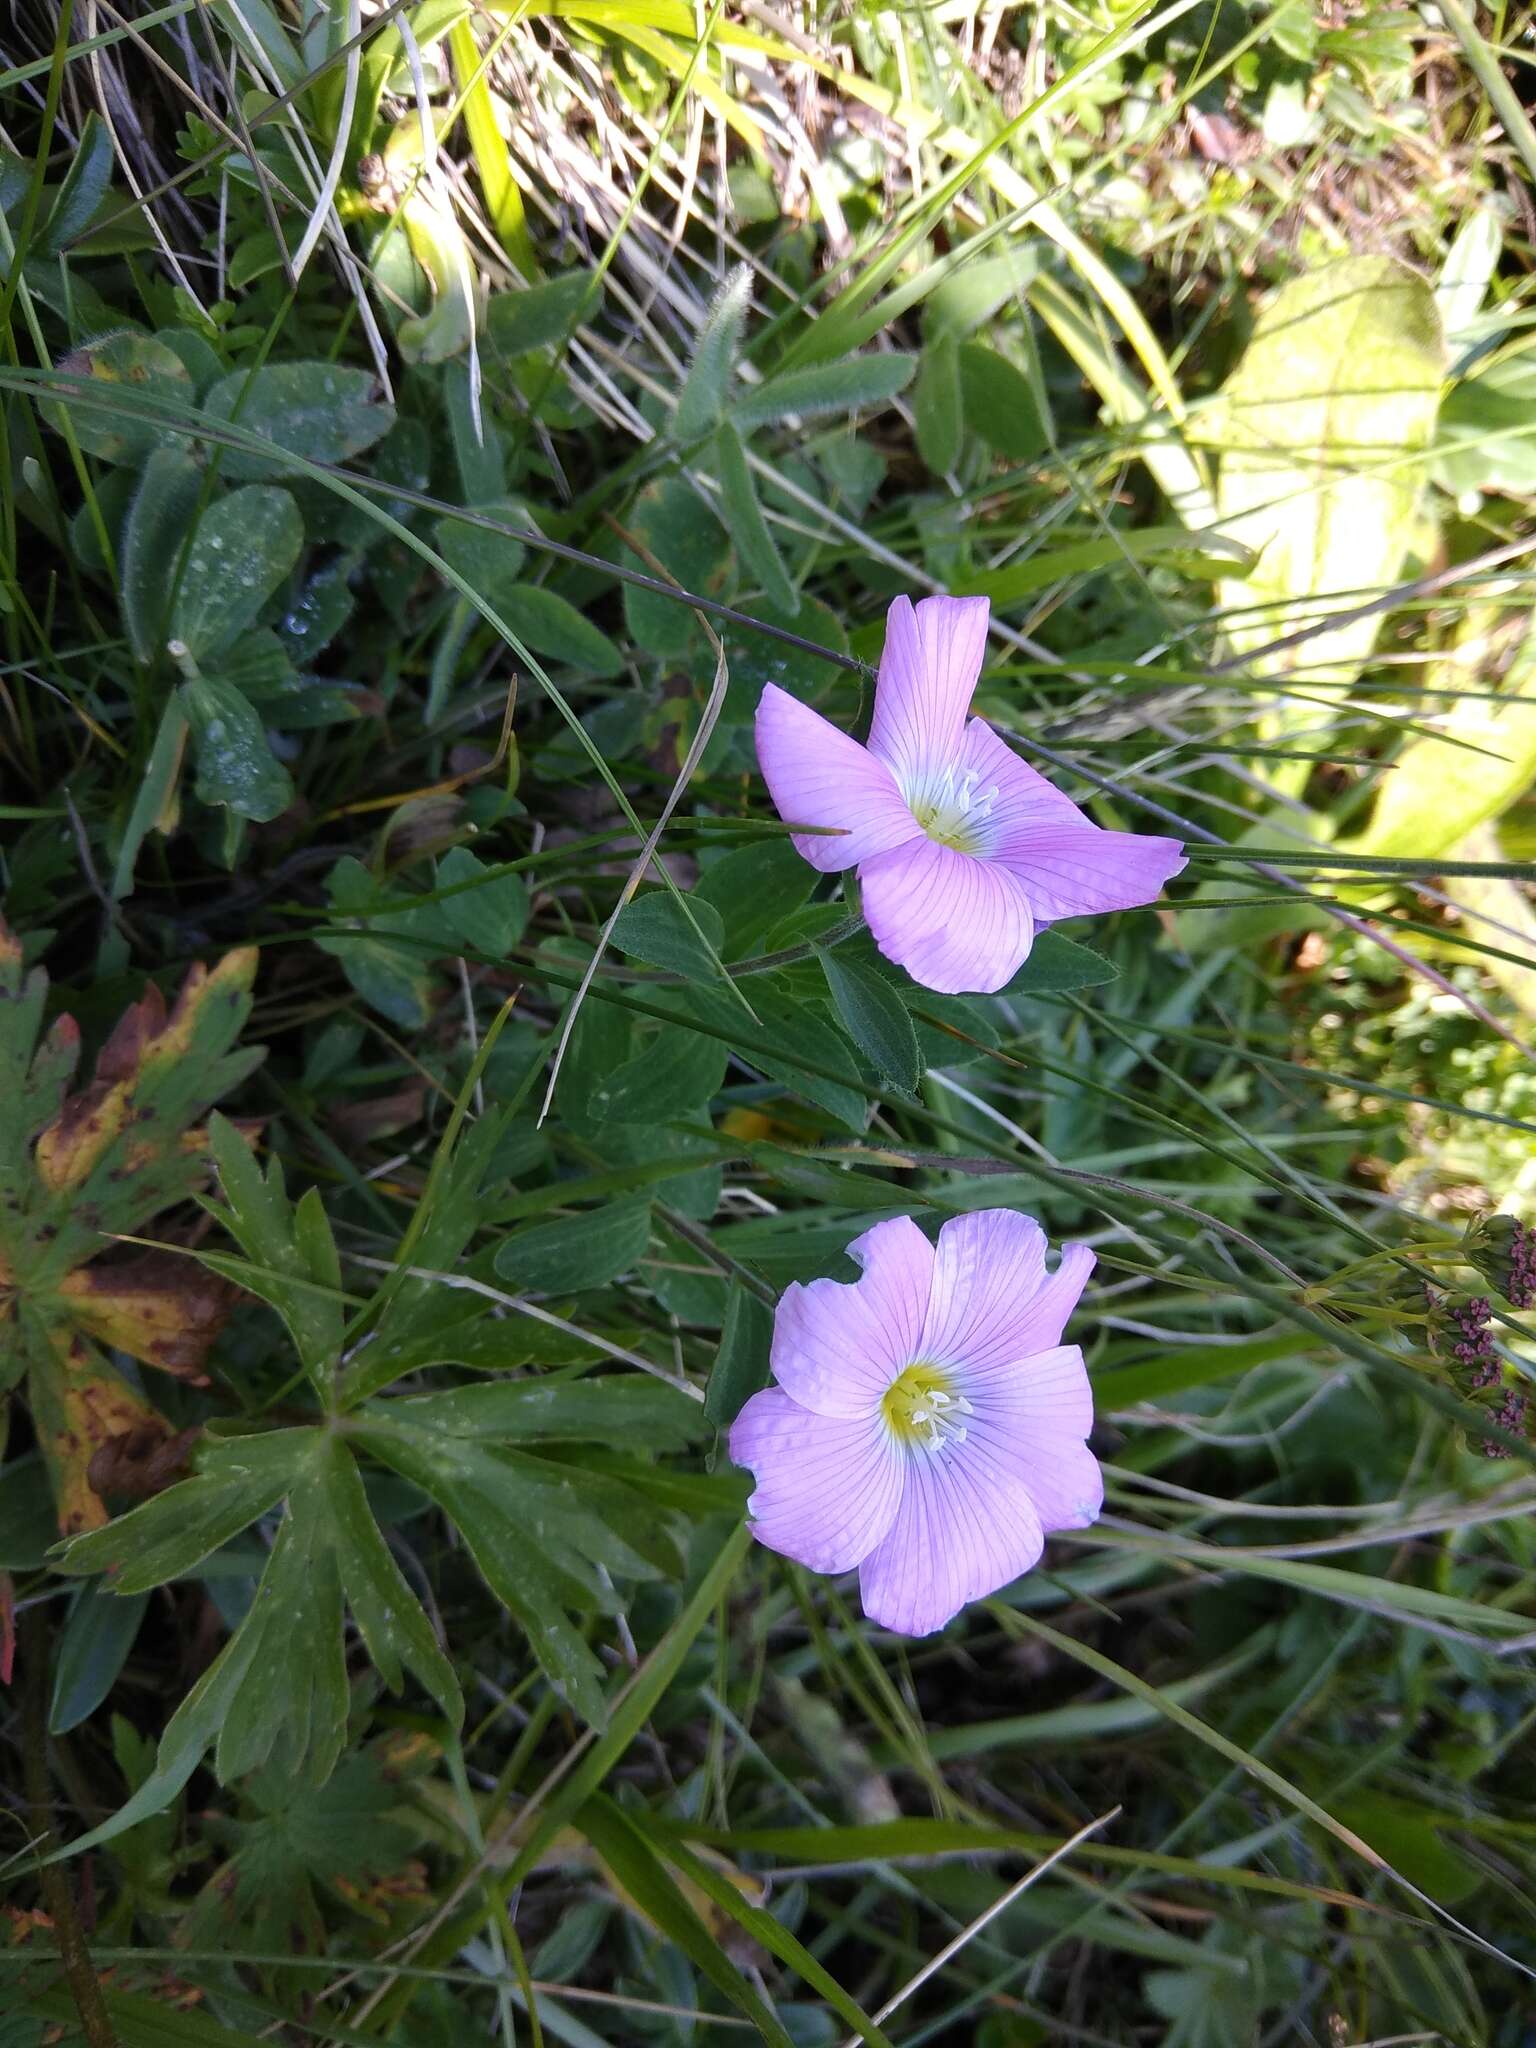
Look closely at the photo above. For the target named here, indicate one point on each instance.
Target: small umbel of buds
(1510, 1415)
(1503, 1250)
(1459, 1333)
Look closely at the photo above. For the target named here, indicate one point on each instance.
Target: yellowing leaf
(1440, 790)
(162, 1309)
(1322, 426)
(145, 1039)
(78, 1169)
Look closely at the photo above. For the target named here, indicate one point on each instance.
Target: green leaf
(745, 522)
(490, 562)
(84, 187)
(792, 1045)
(1320, 423)
(655, 928)
(706, 388)
(674, 1073)
(852, 386)
(27, 1526)
(154, 803)
(291, 1840)
(167, 1537)
(635, 1413)
(539, 314)
(93, 1649)
(543, 620)
(389, 1617)
(679, 529)
(576, 1252)
(741, 1366)
(490, 917)
(244, 546)
(973, 292)
(632, 1710)
(293, 1262)
(637, 1868)
(1486, 433)
(542, 1536)
(762, 1927)
(323, 412)
(999, 404)
(277, 1692)
(150, 369)
(156, 526)
(481, 461)
(1056, 965)
(1438, 791)
(394, 978)
(235, 762)
(754, 888)
(938, 406)
(875, 1019)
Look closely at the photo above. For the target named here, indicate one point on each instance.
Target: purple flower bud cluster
(1503, 1250)
(1510, 1415)
(1471, 1344)
(1520, 1289)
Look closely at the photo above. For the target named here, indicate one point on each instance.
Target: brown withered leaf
(81, 1167)
(160, 1308)
(80, 1409)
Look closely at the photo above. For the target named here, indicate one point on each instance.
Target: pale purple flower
(928, 1424)
(963, 851)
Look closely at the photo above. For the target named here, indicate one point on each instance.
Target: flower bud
(1459, 1335)
(1510, 1415)
(1503, 1250)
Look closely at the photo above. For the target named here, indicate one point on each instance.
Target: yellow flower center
(922, 1408)
(953, 812)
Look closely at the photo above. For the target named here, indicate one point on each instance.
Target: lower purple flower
(928, 1425)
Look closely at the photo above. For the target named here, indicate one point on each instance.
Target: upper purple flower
(963, 851)
(928, 1424)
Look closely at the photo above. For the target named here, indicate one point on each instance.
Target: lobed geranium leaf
(278, 1691)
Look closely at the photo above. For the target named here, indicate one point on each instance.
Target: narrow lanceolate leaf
(706, 388)
(575, 1252)
(745, 522)
(153, 539)
(741, 1365)
(876, 1019)
(938, 405)
(853, 386)
(632, 1860)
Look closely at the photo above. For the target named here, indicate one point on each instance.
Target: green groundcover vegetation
(425, 1061)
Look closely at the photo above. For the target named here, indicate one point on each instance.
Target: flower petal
(928, 673)
(957, 924)
(837, 1347)
(1039, 1322)
(827, 1488)
(966, 1526)
(1069, 867)
(1034, 1417)
(817, 775)
(987, 1269)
